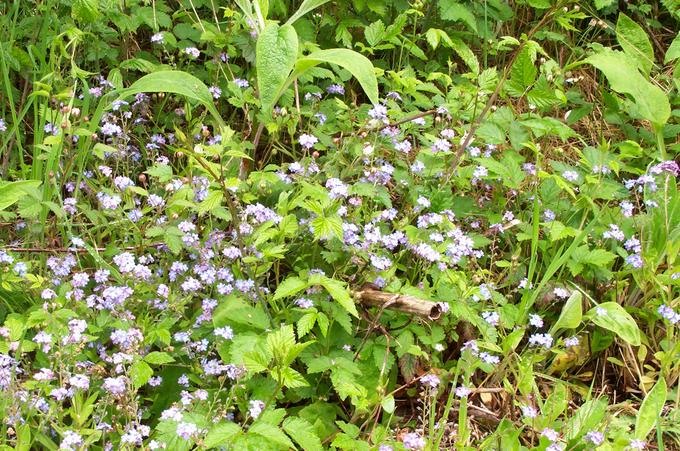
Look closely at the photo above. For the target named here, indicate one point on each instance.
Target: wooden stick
(400, 302)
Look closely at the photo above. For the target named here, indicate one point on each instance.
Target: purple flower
(241, 83)
(595, 437)
(192, 52)
(307, 141)
(378, 112)
(463, 391)
(430, 380)
(255, 408)
(215, 91)
(187, 430)
(545, 340)
(115, 385)
(571, 176)
(413, 440)
(614, 232)
(336, 89)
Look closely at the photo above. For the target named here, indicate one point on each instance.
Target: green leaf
(276, 52)
(454, 11)
(650, 101)
(221, 434)
(651, 408)
(613, 317)
(176, 82)
(572, 313)
(357, 64)
(305, 7)
(11, 192)
(673, 51)
(86, 11)
(635, 42)
(158, 358)
(601, 4)
(140, 373)
(337, 290)
(237, 311)
(522, 74)
(303, 432)
(271, 433)
(375, 33)
(289, 287)
(586, 418)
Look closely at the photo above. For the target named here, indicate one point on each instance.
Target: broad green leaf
(305, 7)
(601, 4)
(613, 317)
(276, 52)
(289, 287)
(635, 42)
(11, 192)
(650, 101)
(221, 434)
(176, 82)
(357, 64)
(651, 408)
(522, 74)
(303, 432)
(571, 315)
(233, 311)
(586, 418)
(673, 51)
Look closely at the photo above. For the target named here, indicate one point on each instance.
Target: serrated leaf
(303, 432)
(454, 11)
(289, 287)
(338, 292)
(306, 323)
(221, 434)
(276, 53)
(86, 11)
(271, 433)
(140, 373)
(374, 33)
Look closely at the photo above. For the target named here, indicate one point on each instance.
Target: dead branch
(400, 302)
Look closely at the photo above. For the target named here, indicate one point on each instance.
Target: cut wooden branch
(400, 302)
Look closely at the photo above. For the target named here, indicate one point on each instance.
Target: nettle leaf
(651, 408)
(303, 432)
(271, 433)
(622, 73)
(635, 42)
(522, 74)
(375, 33)
(85, 11)
(221, 434)
(454, 11)
(276, 52)
(613, 317)
(337, 290)
(140, 373)
(289, 287)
